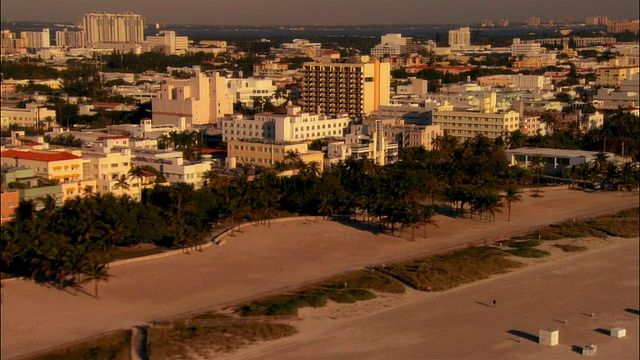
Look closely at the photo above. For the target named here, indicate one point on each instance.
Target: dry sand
(260, 260)
(559, 292)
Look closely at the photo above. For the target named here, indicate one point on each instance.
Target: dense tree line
(70, 244)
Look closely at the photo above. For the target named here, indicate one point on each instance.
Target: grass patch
(350, 288)
(570, 248)
(185, 342)
(529, 253)
(622, 224)
(446, 271)
(523, 244)
(114, 346)
(128, 254)
(212, 315)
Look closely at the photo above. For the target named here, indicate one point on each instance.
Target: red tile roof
(39, 156)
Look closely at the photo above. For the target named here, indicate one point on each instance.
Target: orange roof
(39, 156)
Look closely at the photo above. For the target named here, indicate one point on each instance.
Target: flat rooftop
(553, 152)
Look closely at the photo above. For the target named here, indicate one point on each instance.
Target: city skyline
(327, 12)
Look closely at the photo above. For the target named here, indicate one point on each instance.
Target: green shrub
(529, 253)
(570, 248)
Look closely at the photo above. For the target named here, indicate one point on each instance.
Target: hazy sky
(262, 12)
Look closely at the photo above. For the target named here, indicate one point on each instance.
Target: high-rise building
(70, 39)
(113, 28)
(460, 37)
(534, 21)
(503, 23)
(623, 26)
(357, 88)
(36, 39)
(11, 44)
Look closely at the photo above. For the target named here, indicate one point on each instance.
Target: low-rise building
(295, 125)
(267, 152)
(554, 161)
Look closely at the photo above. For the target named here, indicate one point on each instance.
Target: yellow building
(613, 76)
(266, 153)
(65, 167)
(357, 88)
(534, 63)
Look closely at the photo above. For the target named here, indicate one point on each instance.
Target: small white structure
(618, 332)
(590, 349)
(549, 337)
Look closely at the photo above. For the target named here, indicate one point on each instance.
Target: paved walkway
(260, 260)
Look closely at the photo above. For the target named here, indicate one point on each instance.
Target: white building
(298, 48)
(172, 165)
(201, 100)
(246, 91)
(460, 38)
(113, 28)
(295, 125)
(167, 42)
(525, 48)
(392, 45)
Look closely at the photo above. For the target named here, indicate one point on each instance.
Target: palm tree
(122, 184)
(549, 122)
(510, 196)
(537, 165)
(517, 139)
(96, 272)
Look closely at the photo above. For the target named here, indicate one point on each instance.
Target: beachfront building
(62, 166)
(200, 100)
(267, 152)
(172, 165)
(554, 161)
(468, 124)
(10, 200)
(106, 165)
(295, 125)
(358, 87)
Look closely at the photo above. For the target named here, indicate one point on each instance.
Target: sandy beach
(559, 292)
(273, 259)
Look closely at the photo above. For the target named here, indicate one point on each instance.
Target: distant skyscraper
(113, 28)
(534, 21)
(70, 39)
(36, 39)
(460, 37)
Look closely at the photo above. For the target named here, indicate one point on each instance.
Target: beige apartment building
(266, 153)
(30, 117)
(357, 88)
(200, 100)
(106, 165)
(295, 125)
(467, 124)
(113, 28)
